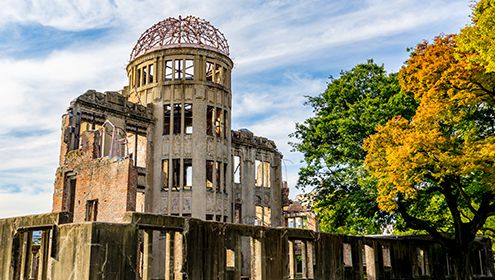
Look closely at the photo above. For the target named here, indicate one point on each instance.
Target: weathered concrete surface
(194, 249)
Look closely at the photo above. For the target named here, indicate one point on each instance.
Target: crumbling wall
(194, 249)
(257, 188)
(111, 182)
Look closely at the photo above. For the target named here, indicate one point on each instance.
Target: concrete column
(178, 255)
(292, 273)
(44, 252)
(147, 254)
(370, 262)
(167, 256)
(309, 257)
(256, 260)
(199, 142)
(304, 258)
(26, 254)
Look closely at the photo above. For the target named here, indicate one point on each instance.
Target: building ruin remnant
(152, 183)
(174, 123)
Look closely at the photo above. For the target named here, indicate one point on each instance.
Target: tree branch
(419, 224)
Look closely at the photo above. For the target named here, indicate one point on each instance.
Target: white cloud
(60, 14)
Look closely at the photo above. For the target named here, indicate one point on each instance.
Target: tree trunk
(460, 256)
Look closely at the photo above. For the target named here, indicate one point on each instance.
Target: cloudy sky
(51, 51)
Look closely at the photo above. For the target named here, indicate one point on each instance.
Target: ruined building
(152, 183)
(169, 132)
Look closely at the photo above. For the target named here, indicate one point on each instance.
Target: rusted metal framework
(183, 32)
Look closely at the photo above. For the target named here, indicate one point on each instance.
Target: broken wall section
(257, 180)
(103, 158)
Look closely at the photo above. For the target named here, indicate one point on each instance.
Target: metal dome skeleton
(183, 32)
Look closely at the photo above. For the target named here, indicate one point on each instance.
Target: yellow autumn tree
(437, 171)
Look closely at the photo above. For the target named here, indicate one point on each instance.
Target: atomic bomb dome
(182, 32)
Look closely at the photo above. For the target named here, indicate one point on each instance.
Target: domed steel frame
(183, 32)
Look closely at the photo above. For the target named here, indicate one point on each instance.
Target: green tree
(437, 170)
(331, 141)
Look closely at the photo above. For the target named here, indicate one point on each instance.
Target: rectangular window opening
(179, 74)
(218, 74)
(177, 118)
(266, 174)
(209, 71)
(387, 262)
(209, 120)
(167, 109)
(217, 175)
(225, 130)
(91, 210)
(347, 254)
(224, 177)
(259, 173)
(188, 118)
(189, 69)
(175, 174)
(237, 169)
(138, 78)
(151, 73)
(209, 174)
(168, 70)
(165, 186)
(188, 174)
(219, 122)
(145, 75)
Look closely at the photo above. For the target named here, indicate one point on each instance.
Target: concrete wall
(195, 249)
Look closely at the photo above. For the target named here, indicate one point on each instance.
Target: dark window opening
(91, 210)
(177, 118)
(179, 74)
(217, 177)
(209, 71)
(165, 186)
(218, 74)
(166, 119)
(188, 118)
(138, 78)
(151, 73)
(224, 184)
(219, 122)
(70, 192)
(209, 174)
(176, 174)
(225, 130)
(209, 120)
(145, 75)
(209, 217)
(238, 213)
(478, 261)
(168, 70)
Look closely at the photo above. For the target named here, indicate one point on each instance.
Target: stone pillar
(147, 254)
(370, 262)
(178, 255)
(292, 273)
(167, 256)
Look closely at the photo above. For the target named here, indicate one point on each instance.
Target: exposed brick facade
(110, 181)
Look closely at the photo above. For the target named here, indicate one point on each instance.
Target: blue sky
(51, 51)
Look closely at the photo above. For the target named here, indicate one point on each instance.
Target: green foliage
(478, 39)
(344, 115)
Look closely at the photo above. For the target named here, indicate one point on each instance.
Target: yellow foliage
(439, 143)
